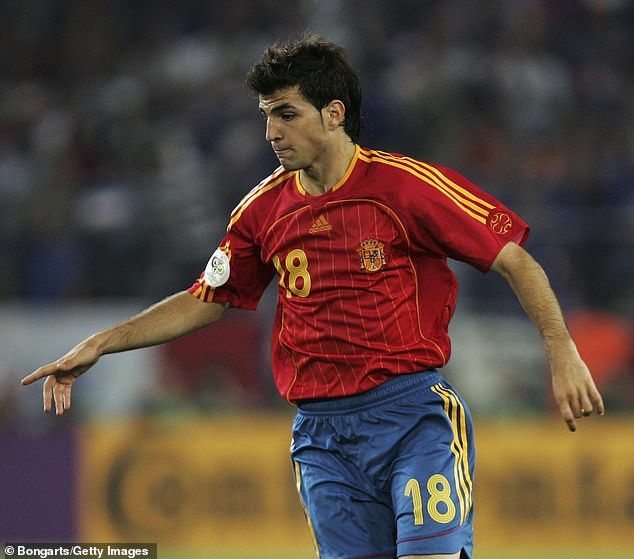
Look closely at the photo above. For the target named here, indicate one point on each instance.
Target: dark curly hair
(320, 69)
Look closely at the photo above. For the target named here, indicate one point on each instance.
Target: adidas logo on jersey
(321, 224)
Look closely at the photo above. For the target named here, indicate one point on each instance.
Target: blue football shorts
(389, 472)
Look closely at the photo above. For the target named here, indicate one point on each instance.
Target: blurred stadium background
(126, 138)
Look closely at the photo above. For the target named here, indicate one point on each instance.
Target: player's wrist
(101, 343)
(557, 340)
(562, 352)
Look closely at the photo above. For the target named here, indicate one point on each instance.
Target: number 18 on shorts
(390, 472)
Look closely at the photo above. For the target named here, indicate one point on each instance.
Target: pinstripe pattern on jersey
(356, 329)
(298, 223)
(459, 447)
(330, 324)
(315, 321)
(290, 356)
(403, 231)
(468, 202)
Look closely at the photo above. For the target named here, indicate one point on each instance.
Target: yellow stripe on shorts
(459, 447)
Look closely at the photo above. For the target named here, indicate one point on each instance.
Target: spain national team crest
(372, 255)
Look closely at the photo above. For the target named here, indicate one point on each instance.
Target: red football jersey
(365, 292)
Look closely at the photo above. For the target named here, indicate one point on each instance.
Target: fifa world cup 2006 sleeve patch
(217, 270)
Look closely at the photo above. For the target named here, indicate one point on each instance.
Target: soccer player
(358, 240)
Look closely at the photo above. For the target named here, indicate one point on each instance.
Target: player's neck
(328, 170)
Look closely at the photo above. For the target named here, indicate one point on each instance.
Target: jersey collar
(340, 182)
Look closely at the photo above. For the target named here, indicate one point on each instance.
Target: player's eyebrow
(280, 108)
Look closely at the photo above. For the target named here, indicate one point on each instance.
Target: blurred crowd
(127, 134)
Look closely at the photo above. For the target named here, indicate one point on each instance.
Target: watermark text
(76, 550)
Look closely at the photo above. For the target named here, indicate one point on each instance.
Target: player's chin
(289, 164)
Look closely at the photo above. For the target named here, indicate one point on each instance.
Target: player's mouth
(281, 152)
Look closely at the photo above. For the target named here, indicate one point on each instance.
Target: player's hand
(61, 374)
(575, 393)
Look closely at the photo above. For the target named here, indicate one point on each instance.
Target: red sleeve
(248, 275)
(455, 218)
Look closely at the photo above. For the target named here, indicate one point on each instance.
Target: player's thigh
(431, 481)
(346, 518)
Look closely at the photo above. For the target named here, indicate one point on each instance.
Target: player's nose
(272, 131)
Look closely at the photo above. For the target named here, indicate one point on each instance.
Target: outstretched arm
(167, 320)
(573, 387)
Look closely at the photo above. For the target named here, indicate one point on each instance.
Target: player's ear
(334, 114)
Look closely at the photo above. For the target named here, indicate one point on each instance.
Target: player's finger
(568, 416)
(44, 371)
(572, 424)
(47, 393)
(595, 396)
(58, 396)
(67, 391)
(586, 405)
(575, 406)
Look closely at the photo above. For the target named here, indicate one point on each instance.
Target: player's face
(294, 127)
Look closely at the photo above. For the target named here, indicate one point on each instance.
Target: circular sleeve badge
(217, 270)
(500, 223)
